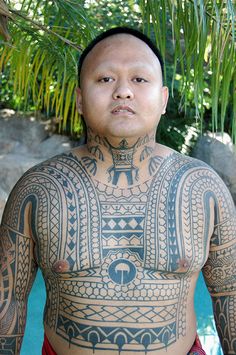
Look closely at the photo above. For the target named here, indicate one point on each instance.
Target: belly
(120, 309)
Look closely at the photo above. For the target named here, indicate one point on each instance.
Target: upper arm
(220, 269)
(17, 261)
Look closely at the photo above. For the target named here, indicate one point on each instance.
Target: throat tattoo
(122, 158)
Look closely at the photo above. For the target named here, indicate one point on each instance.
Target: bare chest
(161, 225)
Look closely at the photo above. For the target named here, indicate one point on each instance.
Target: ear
(79, 100)
(165, 97)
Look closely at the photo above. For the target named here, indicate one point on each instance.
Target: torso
(120, 265)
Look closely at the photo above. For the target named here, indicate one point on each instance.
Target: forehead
(119, 48)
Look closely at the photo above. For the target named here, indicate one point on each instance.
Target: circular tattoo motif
(122, 274)
(122, 271)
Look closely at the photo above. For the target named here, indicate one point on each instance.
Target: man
(121, 226)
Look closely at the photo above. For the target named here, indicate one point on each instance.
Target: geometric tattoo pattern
(122, 156)
(117, 263)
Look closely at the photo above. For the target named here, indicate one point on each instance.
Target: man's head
(115, 31)
(121, 90)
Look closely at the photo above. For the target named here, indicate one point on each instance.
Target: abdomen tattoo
(118, 263)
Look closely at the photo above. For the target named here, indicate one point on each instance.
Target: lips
(122, 109)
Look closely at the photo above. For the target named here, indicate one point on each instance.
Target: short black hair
(115, 31)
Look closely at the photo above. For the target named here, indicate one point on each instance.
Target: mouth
(122, 109)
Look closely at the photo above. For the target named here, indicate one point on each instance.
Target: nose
(123, 91)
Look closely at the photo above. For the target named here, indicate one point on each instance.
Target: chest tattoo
(118, 279)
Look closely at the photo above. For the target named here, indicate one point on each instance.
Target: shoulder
(176, 157)
(195, 172)
(198, 169)
(206, 183)
(54, 174)
(39, 176)
(47, 167)
(193, 163)
(181, 161)
(39, 185)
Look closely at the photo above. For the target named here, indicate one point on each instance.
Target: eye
(106, 79)
(140, 80)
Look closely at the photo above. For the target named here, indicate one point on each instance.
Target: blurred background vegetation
(40, 43)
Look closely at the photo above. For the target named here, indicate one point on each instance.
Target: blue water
(33, 338)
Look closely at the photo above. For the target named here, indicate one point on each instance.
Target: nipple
(183, 265)
(61, 266)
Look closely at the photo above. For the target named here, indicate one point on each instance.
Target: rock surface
(23, 144)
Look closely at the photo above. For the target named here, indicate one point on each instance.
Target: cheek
(152, 104)
(94, 99)
(94, 106)
(158, 103)
(89, 101)
(150, 96)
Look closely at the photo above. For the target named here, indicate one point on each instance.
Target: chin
(125, 134)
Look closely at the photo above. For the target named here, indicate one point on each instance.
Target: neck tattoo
(122, 157)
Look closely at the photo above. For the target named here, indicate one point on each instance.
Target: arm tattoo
(17, 271)
(220, 272)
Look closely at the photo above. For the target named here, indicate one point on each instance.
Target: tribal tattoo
(123, 157)
(17, 272)
(220, 275)
(118, 262)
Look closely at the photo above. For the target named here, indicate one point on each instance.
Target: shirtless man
(121, 226)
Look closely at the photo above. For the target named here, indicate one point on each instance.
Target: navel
(61, 266)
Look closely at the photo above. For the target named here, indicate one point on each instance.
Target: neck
(126, 161)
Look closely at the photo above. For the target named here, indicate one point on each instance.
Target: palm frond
(204, 49)
(42, 58)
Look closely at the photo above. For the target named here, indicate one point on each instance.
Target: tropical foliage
(204, 54)
(196, 37)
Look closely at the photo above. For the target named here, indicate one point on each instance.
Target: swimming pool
(33, 338)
